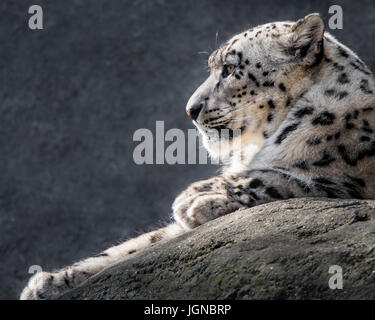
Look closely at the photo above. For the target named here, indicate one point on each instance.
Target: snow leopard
(304, 105)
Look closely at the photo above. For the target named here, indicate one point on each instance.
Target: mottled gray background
(72, 96)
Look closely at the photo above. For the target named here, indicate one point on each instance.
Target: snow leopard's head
(253, 79)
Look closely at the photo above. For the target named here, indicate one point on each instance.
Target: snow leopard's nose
(194, 110)
(199, 100)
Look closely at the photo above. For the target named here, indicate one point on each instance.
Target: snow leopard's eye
(227, 70)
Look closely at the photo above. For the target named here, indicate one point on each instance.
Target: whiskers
(204, 52)
(217, 40)
(207, 53)
(229, 114)
(242, 118)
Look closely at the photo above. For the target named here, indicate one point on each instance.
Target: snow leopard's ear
(305, 40)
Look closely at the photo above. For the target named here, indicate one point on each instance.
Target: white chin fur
(218, 148)
(236, 153)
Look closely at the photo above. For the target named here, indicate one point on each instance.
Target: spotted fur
(305, 106)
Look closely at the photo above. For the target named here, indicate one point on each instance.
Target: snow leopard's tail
(46, 285)
(143, 241)
(116, 254)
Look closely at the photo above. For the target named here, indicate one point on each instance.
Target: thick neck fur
(340, 83)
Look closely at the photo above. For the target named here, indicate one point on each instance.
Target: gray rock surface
(281, 250)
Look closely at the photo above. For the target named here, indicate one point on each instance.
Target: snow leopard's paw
(49, 285)
(203, 201)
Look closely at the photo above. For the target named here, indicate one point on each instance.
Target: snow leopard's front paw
(203, 201)
(47, 285)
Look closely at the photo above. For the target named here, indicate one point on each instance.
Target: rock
(280, 250)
